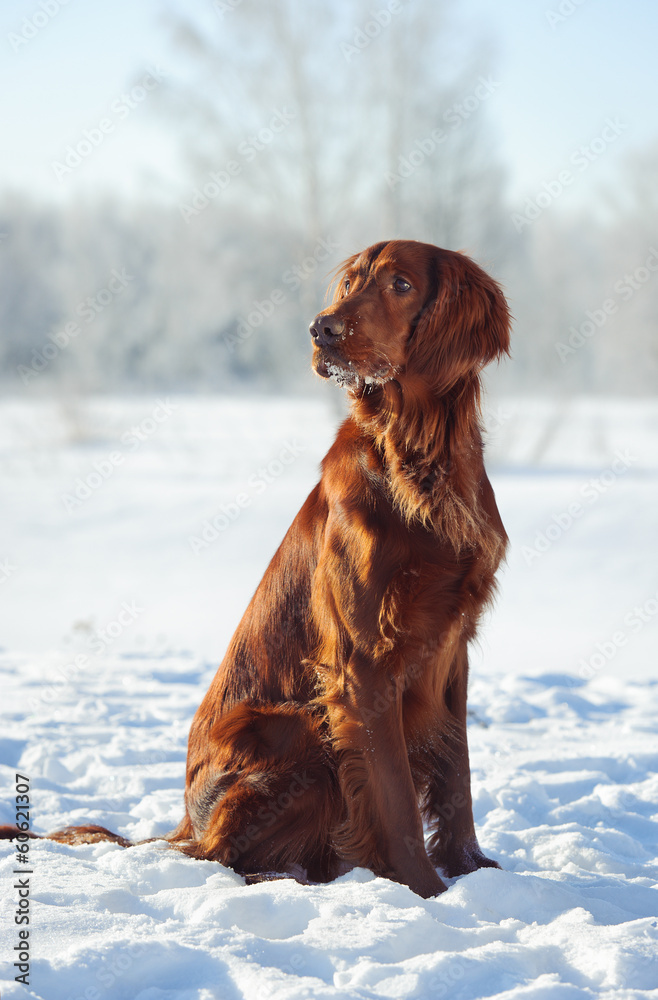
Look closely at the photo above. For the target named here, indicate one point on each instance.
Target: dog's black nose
(325, 330)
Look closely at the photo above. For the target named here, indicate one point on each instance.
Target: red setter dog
(336, 724)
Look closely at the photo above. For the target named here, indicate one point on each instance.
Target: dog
(335, 727)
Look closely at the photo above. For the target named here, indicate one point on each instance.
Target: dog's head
(406, 309)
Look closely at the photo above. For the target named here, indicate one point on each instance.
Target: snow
(114, 619)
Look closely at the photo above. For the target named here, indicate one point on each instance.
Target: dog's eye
(401, 285)
(347, 286)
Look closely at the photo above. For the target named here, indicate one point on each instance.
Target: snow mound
(565, 789)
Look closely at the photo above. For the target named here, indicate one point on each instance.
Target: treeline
(289, 173)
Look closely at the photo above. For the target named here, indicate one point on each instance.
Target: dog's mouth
(341, 372)
(345, 373)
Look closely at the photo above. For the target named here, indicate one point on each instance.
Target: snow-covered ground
(132, 535)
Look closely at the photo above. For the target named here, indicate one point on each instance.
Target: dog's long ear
(463, 326)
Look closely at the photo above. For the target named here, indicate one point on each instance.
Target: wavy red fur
(335, 726)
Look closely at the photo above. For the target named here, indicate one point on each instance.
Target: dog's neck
(431, 446)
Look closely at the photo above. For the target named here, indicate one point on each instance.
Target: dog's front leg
(382, 829)
(449, 807)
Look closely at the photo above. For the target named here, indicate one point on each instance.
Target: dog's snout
(325, 330)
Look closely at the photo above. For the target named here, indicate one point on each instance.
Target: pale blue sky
(558, 86)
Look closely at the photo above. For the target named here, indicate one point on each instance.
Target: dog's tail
(92, 834)
(89, 834)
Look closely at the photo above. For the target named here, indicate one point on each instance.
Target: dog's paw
(463, 860)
